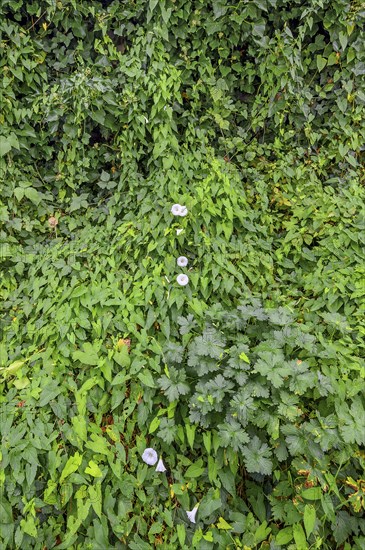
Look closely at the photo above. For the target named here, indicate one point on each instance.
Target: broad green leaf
(96, 498)
(190, 434)
(154, 425)
(72, 465)
(262, 532)
(309, 519)
(299, 537)
(284, 536)
(98, 445)
(222, 524)
(93, 469)
(196, 469)
(32, 194)
(146, 378)
(28, 526)
(13, 368)
(210, 503)
(5, 146)
(321, 62)
(313, 493)
(88, 357)
(212, 469)
(207, 439)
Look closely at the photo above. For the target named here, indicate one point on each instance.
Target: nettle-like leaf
(210, 344)
(174, 353)
(324, 431)
(301, 377)
(273, 367)
(280, 316)
(324, 385)
(295, 439)
(288, 406)
(257, 457)
(239, 357)
(187, 324)
(216, 389)
(241, 405)
(257, 389)
(351, 421)
(253, 310)
(203, 365)
(231, 434)
(174, 385)
(167, 430)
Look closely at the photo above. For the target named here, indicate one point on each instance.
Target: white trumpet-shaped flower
(179, 210)
(182, 261)
(192, 513)
(175, 209)
(182, 279)
(160, 466)
(149, 456)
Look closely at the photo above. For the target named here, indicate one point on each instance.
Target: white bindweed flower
(182, 261)
(182, 279)
(179, 210)
(149, 456)
(175, 209)
(160, 466)
(192, 513)
(178, 231)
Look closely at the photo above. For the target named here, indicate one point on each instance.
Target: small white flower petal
(182, 261)
(183, 211)
(192, 513)
(178, 231)
(182, 279)
(160, 466)
(149, 456)
(176, 209)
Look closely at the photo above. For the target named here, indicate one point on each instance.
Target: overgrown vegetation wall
(246, 374)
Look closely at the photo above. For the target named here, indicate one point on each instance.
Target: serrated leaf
(257, 457)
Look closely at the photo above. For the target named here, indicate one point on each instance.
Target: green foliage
(249, 380)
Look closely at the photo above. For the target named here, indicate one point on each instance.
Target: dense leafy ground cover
(248, 381)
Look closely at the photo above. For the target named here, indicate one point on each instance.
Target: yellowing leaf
(93, 469)
(222, 524)
(72, 465)
(11, 369)
(154, 425)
